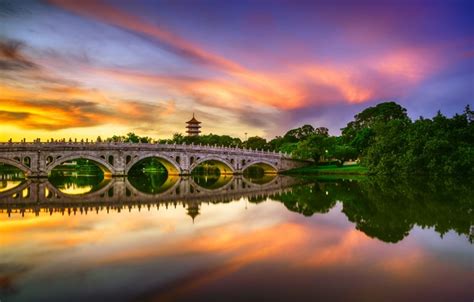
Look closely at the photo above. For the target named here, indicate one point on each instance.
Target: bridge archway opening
(260, 168)
(153, 175)
(10, 177)
(79, 176)
(12, 169)
(153, 164)
(80, 165)
(260, 173)
(8, 171)
(212, 167)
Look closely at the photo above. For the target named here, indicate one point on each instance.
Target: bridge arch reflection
(164, 183)
(211, 182)
(41, 195)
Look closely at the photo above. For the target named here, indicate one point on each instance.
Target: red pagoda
(193, 127)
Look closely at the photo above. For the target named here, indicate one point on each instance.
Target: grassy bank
(330, 170)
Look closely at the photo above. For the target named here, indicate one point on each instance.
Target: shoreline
(331, 170)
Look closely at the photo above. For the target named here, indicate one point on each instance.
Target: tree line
(388, 208)
(382, 138)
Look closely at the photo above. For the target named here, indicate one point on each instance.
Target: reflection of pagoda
(193, 209)
(193, 127)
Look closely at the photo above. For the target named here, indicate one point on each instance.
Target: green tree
(314, 147)
(343, 153)
(256, 142)
(322, 131)
(385, 154)
(178, 138)
(298, 134)
(132, 138)
(359, 133)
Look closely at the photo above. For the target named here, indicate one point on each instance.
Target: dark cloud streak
(11, 57)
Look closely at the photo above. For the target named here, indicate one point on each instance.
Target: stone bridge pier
(117, 159)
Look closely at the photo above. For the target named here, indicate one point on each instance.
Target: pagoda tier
(193, 127)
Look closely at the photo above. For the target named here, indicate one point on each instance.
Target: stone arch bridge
(116, 159)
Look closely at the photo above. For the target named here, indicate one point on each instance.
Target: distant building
(193, 127)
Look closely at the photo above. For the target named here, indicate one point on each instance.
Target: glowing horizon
(94, 68)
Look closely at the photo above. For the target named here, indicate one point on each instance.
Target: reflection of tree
(257, 199)
(63, 181)
(148, 165)
(391, 207)
(80, 166)
(8, 172)
(212, 181)
(388, 209)
(150, 183)
(308, 199)
(257, 175)
(150, 176)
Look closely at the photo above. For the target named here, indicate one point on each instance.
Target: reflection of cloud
(407, 265)
(197, 257)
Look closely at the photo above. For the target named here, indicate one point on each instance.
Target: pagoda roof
(193, 121)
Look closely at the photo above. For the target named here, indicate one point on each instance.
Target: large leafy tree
(314, 147)
(436, 146)
(298, 134)
(359, 133)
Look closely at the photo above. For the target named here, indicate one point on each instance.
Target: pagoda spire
(193, 127)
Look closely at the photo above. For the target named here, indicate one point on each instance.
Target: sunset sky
(87, 68)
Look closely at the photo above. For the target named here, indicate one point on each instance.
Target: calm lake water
(224, 238)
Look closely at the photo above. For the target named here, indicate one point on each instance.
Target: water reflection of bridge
(39, 195)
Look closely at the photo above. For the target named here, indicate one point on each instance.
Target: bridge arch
(103, 165)
(16, 164)
(267, 166)
(171, 166)
(225, 167)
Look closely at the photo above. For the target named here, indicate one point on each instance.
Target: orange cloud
(61, 114)
(342, 80)
(230, 93)
(410, 65)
